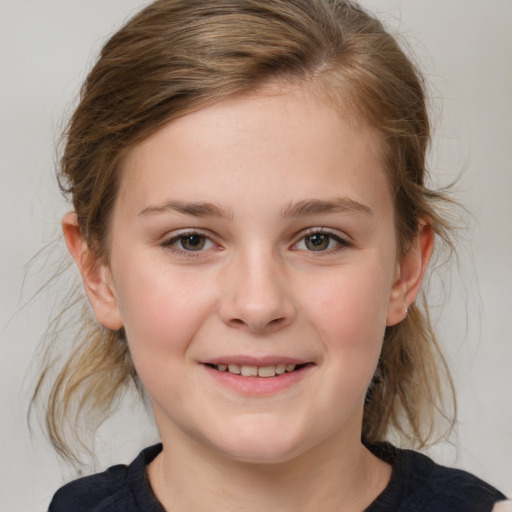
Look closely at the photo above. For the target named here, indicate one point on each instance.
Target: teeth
(234, 368)
(267, 371)
(280, 368)
(249, 371)
(256, 371)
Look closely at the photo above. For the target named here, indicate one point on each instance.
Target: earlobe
(411, 271)
(95, 275)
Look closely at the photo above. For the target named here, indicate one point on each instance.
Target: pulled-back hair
(175, 57)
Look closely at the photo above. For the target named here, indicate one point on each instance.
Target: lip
(258, 386)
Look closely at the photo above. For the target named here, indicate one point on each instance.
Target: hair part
(177, 57)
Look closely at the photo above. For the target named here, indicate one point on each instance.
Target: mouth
(258, 377)
(268, 371)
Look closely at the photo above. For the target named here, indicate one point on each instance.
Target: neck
(342, 478)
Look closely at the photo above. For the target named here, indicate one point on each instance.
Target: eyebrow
(196, 209)
(298, 209)
(319, 206)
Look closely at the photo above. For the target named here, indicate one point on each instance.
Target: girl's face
(256, 236)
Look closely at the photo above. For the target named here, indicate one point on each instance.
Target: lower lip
(258, 385)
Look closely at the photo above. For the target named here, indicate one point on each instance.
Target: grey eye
(321, 241)
(193, 242)
(317, 242)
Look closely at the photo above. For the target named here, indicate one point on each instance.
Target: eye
(320, 241)
(190, 242)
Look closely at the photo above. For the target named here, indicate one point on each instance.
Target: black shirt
(417, 485)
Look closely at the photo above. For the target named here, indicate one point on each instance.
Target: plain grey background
(464, 48)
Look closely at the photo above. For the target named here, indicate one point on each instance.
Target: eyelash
(171, 243)
(341, 243)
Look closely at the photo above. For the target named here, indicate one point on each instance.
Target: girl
(252, 227)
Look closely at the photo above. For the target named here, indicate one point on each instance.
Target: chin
(263, 445)
(262, 454)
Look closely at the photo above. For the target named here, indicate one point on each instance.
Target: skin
(256, 179)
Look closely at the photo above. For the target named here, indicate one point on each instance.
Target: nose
(257, 294)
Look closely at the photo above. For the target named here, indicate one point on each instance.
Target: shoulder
(119, 488)
(457, 488)
(419, 484)
(92, 493)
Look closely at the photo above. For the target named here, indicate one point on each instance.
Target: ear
(410, 273)
(95, 274)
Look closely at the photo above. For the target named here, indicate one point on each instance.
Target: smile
(256, 371)
(258, 376)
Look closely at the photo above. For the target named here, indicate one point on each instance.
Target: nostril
(255, 326)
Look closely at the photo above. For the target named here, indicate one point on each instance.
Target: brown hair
(175, 57)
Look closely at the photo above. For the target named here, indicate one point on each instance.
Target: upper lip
(255, 361)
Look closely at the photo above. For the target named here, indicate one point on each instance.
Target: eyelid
(170, 239)
(342, 240)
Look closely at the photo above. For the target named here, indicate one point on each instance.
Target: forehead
(282, 137)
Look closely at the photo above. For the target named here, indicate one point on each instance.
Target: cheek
(161, 311)
(352, 302)
(349, 313)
